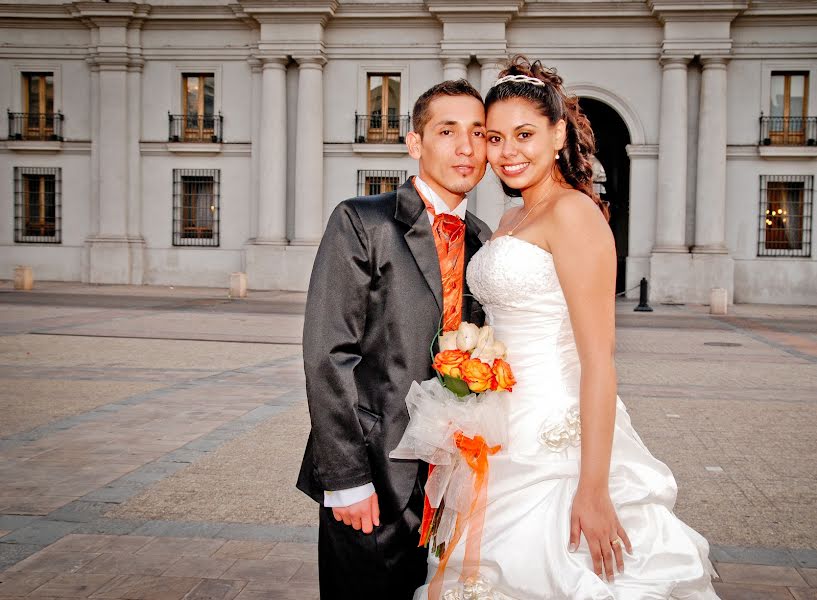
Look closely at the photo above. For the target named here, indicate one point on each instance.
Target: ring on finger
(616, 542)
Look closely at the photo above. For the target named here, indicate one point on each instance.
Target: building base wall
(275, 267)
(115, 260)
(773, 281)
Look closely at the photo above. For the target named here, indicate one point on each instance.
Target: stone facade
(678, 88)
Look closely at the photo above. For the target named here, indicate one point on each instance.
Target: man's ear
(414, 143)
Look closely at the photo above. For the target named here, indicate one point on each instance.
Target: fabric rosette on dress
(456, 421)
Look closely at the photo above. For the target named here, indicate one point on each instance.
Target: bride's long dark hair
(553, 102)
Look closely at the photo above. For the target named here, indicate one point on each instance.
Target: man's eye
(525, 135)
(479, 133)
(446, 132)
(494, 139)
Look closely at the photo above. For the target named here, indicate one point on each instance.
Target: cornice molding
(467, 11)
(696, 10)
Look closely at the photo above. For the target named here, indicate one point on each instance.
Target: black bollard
(642, 297)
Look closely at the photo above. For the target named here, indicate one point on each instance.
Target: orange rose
(448, 362)
(477, 374)
(504, 375)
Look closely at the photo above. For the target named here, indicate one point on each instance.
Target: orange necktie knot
(449, 227)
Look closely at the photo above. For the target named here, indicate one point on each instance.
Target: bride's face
(522, 142)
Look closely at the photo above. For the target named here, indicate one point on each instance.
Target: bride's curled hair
(553, 102)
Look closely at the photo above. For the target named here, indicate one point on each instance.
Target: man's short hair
(421, 114)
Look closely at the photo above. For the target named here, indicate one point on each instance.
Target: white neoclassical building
(177, 141)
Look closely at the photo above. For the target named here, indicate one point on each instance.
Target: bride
(577, 508)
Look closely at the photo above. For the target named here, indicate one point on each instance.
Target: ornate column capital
(455, 61)
(271, 61)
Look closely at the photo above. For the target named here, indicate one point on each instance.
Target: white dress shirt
(347, 497)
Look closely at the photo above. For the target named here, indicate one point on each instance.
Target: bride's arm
(585, 257)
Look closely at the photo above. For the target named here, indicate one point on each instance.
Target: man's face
(451, 150)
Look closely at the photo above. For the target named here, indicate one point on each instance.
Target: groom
(389, 269)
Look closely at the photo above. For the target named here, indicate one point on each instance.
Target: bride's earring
(557, 156)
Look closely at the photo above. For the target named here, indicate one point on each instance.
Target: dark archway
(612, 138)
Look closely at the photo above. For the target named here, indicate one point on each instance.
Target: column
(113, 156)
(490, 198)
(309, 152)
(455, 68)
(272, 143)
(672, 158)
(710, 193)
(712, 267)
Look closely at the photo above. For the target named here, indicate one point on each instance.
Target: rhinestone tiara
(519, 79)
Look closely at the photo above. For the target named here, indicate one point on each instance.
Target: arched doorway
(612, 137)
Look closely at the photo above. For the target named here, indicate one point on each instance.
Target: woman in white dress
(577, 508)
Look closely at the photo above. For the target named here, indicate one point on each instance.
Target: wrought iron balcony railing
(788, 131)
(381, 129)
(195, 128)
(35, 126)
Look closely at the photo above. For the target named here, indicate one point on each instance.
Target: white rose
(500, 350)
(448, 341)
(485, 344)
(467, 336)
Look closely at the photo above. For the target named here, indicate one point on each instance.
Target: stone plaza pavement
(150, 438)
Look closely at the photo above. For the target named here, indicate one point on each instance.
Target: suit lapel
(420, 239)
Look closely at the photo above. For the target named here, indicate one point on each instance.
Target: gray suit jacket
(373, 309)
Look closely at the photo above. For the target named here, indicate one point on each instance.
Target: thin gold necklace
(530, 210)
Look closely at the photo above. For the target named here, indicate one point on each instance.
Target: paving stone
(305, 552)
(11, 554)
(125, 563)
(247, 549)
(80, 511)
(182, 546)
(760, 575)
(110, 526)
(53, 561)
(731, 591)
(179, 529)
(753, 556)
(216, 589)
(199, 566)
(266, 589)
(147, 587)
(21, 583)
(72, 585)
(810, 575)
(271, 570)
(12, 522)
(40, 532)
(809, 593)
(269, 533)
(308, 573)
(805, 558)
(74, 542)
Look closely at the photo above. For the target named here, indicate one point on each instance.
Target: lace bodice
(510, 273)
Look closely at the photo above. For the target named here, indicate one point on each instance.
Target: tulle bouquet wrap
(456, 421)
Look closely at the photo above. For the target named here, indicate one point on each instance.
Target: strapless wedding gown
(524, 552)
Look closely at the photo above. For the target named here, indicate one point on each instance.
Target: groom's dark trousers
(372, 313)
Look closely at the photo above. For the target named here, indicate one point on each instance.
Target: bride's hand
(594, 515)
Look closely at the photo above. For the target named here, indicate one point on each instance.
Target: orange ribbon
(475, 451)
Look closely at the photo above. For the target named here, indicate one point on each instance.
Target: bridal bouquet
(456, 421)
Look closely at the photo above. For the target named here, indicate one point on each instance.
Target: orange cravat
(449, 238)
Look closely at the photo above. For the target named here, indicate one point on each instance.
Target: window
(788, 108)
(37, 119)
(370, 183)
(196, 207)
(785, 215)
(383, 123)
(37, 205)
(198, 107)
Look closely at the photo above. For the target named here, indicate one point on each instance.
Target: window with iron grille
(370, 183)
(37, 205)
(785, 215)
(196, 195)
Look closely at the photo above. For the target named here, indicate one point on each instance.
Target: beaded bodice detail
(512, 273)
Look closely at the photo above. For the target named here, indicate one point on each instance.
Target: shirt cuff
(344, 498)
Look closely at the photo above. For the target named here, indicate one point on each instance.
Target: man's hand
(361, 515)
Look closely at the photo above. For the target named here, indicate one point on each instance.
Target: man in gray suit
(373, 309)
